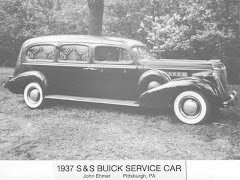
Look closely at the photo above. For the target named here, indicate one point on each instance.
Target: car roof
(83, 39)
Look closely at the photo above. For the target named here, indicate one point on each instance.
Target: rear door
(73, 75)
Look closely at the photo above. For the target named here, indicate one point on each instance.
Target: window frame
(112, 62)
(71, 61)
(137, 56)
(40, 60)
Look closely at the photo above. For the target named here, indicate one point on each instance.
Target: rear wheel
(33, 95)
(192, 107)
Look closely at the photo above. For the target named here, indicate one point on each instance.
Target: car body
(118, 71)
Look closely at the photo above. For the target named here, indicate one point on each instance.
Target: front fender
(164, 95)
(153, 72)
(17, 83)
(150, 76)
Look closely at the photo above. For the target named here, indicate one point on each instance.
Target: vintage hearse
(118, 71)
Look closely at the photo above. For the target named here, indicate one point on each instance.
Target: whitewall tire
(33, 95)
(192, 107)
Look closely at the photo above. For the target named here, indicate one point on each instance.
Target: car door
(115, 73)
(73, 70)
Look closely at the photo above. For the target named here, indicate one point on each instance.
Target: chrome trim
(221, 80)
(220, 83)
(94, 100)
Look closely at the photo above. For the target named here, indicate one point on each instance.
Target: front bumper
(231, 100)
(5, 85)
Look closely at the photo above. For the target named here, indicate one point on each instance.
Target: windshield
(142, 53)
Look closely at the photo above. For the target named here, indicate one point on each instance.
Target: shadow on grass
(224, 116)
(108, 108)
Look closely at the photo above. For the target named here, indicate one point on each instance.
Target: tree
(239, 20)
(192, 29)
(96, 8)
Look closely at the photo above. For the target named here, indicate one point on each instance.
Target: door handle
(87, 68)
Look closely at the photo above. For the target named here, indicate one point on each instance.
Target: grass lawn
(69, 130)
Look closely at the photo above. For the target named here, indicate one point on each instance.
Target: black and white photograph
(119, 80)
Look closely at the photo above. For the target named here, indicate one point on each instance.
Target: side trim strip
(94, 100)
(108, 66)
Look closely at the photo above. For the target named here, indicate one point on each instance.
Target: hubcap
(190, 107)
(34, 95)
(153, 84)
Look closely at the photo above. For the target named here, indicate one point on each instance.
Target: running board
(94, 100)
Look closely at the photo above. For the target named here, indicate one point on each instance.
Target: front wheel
(192, 107)
(33, 95)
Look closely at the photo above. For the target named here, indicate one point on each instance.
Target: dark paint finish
(164, 95)
(17, 84)
(115, 81)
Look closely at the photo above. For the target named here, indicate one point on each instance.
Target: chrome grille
(222, 81)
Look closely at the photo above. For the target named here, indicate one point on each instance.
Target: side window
(43, 52)
(74, 53)
(124, 56)
(112, 54)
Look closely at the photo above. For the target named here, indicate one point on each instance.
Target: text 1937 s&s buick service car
(118, 71)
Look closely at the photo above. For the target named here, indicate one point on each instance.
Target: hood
(180, 64)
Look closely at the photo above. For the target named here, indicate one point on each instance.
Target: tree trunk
(96, 8)
(239, 20)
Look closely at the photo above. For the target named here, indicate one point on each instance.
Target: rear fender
(164, 95)
(17, 83)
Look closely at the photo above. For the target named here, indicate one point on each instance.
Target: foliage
(193, 29)
(24, 19)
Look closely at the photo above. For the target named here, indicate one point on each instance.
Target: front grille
(222, 81)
